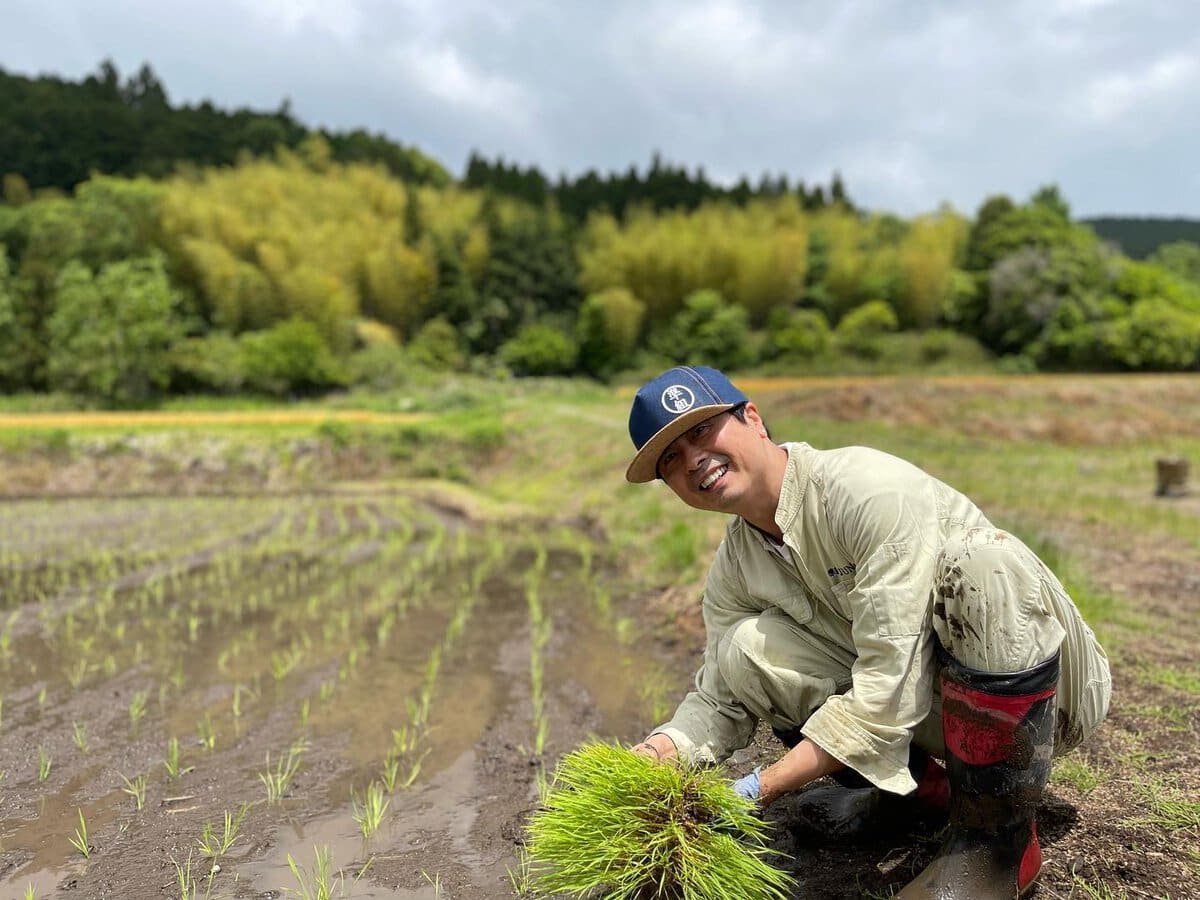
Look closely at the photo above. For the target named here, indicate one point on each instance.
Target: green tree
(609, 327)
(1180, 257)
(111, 334)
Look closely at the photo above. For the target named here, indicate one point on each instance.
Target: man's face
(719, 463)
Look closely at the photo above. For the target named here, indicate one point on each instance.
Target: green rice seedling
(30, 893)
(6, 634)
(414, 769)
(316, 883)
(206, 733)
(76, 672)
(44, 763)
(185, 880)
(390, 771)
(619, 822)
(286, 766)
(80, 839)
(369, 809)
(435, 882)
(213, 846)
(137, 707)
(171, 763)
(80, 736)
(136, 789)
(305, 709)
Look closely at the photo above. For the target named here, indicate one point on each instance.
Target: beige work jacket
(865, 529)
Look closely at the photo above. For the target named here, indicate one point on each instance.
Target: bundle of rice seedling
(624, 826)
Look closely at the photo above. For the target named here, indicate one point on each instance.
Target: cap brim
(645, 465)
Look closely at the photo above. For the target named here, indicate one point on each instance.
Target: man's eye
(667, 458)
(700, 429)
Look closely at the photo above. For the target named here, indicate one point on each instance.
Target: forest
(148, 249)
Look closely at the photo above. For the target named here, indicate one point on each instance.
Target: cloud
(1112, 97)
(915, 103)
(444, 73)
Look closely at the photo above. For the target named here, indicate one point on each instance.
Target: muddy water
(245, 627)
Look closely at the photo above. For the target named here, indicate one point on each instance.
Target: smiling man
(877, 621)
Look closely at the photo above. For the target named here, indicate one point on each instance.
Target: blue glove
(747, 786)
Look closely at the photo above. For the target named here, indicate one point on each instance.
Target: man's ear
(754, 420)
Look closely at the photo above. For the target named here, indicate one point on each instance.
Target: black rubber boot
(999, 731)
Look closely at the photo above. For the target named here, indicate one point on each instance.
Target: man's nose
(693, 455)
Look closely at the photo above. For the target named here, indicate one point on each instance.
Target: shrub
(290, 357)
(636, 828)
(540, 349)
(708, 331)
(1156, 335)
(797, 333)
(437, 346)
(210, 363)
(862, 327)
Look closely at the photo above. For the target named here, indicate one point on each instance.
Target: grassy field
(414, 604)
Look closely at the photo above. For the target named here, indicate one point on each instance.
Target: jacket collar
(795, 481)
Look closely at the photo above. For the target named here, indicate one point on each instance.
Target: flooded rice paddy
(219, 693)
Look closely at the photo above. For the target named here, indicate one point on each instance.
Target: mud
(283, 619)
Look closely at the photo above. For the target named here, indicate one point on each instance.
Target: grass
(1075, 771)
(620, 823)
(1185, 680)
(44, 764)
(1101, 891)
(1168, 807)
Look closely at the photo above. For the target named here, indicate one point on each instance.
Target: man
(852, 595)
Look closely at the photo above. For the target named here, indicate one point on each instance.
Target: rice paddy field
(333, 650)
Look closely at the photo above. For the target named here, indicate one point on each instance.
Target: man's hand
(657, 746)
(748, 786)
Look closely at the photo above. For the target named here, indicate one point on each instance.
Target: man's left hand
(748, 786)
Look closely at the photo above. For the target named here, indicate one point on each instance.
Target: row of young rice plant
(148, 645)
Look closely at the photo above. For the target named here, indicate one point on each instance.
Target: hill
(1139, 237)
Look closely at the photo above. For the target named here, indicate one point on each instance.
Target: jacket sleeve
(710, 723)
(888, 524)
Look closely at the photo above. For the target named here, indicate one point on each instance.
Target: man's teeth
(712, 477)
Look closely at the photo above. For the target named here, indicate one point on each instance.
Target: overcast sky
(916, 103)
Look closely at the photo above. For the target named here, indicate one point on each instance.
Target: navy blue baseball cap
(666, 407)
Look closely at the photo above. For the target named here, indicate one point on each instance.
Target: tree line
(295, 270)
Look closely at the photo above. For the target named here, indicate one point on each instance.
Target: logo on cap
(677, 399)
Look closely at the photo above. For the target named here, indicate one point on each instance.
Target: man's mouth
(712, 477)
